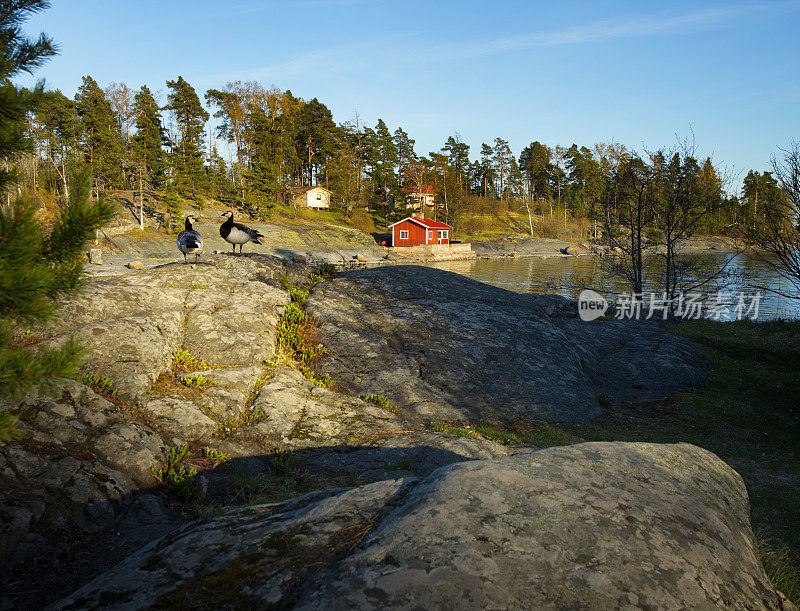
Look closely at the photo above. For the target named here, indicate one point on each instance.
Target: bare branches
(777, 238)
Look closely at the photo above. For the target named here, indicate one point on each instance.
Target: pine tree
(101, 135)
(173, 209)
(191, 118)
(263, 176)
(405, 154)
(146, 144)
(35, 267)
(386, 160)
(58, 117)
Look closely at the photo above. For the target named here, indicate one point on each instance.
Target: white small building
(420, 196)
(312, 197)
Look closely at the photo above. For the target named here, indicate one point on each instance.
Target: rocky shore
(188, 404)
(123, 244)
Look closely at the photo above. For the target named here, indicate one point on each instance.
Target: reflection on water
(568, 275)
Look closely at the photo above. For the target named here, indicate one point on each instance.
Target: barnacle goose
(190, 242)
(236, 233)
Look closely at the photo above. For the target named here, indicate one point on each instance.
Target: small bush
(549, 228)
(252, 416)
(216, 457)
(185, 361)
(325, 271)
(283, 461)
(196, 381)
(362, 221)
(604, 400)
(296, 335)
(325, 381)
(178, 478)
(229, 429)
(99, 384)
(380, 401)
(298, 295)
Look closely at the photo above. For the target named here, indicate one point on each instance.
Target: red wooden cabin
(413, 231)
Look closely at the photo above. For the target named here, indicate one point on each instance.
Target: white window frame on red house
(443, 234)
(430, 236)
(403, 234)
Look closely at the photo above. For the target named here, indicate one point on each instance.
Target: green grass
(749, 416)
(530, 433)
(283, 462)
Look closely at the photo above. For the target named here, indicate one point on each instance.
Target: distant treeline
(280, 141)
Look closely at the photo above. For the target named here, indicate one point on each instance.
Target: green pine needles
(173, 209)
(35, 269)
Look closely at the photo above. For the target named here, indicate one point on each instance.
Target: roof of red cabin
(421, 190)
(429, 223)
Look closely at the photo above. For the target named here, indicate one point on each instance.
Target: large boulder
(222, 311)
(596, 525)
(446, 347)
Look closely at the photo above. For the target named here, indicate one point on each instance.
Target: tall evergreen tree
(315, 138)
(502, 161)
(191, 118)
(486, 168)
(173, 208)
(58, 117)
(459, 157)
(147, 143)
(760, 192)
(100, 133)
(232, 113)
(263, 177)
(19, 54)
(385, 159)
(34, 267)
(405, 154)
(534, 162)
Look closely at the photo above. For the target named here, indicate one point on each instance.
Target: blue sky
(558, 72)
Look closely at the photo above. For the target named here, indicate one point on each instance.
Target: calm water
(567, 276)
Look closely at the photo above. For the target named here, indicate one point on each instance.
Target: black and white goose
(237, 233)
(190, 242)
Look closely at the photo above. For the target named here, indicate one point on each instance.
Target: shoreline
(122, 246)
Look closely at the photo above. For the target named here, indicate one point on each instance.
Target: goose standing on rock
(237, 233)
(190, 242)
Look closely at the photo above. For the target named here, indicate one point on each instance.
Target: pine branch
(21, 369)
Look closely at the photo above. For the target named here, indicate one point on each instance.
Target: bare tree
(629, 206)
(777, 237)
(651, 205)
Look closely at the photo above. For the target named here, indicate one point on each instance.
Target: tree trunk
(141, 203)
(530, 221)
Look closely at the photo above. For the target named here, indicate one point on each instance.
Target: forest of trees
(132, 140)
